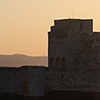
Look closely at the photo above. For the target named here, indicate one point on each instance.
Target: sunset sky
(24, 23)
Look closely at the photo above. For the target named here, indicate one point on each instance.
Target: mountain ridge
(17, 60)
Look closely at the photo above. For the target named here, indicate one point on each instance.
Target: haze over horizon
(24, 23)
(18, 60)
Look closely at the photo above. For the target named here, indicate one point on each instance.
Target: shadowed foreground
(55, 95)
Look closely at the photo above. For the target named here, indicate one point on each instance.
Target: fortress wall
(9, 81)
(27, 81)
(14, 81)
(32, 81)
(62, 81)
(87, 81)
(36, 81)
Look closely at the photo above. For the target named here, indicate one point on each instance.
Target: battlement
(74, 25)
(71, 20)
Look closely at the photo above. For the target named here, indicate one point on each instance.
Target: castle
(73, 59)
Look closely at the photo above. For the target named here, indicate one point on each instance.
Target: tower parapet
(63, 42)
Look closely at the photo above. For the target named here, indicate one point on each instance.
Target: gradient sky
(24, 23)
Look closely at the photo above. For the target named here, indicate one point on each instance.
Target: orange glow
(24, 23)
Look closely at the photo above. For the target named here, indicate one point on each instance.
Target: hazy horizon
(17, 60)
(24, 23)
(25, 55)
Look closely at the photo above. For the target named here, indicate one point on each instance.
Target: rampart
(35, 81)
(84, 81)
(26, 80)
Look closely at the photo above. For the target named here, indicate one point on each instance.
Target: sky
(24, 24)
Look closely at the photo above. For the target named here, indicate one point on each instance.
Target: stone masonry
(26, 80)
(73, 60)
(74, 56)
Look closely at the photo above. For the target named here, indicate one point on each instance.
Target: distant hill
(18, 60)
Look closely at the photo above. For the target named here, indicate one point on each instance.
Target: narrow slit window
(52, 62)
(58, 62)
(64, 62)
(81, 26)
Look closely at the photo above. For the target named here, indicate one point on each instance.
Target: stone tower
(64, 41)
